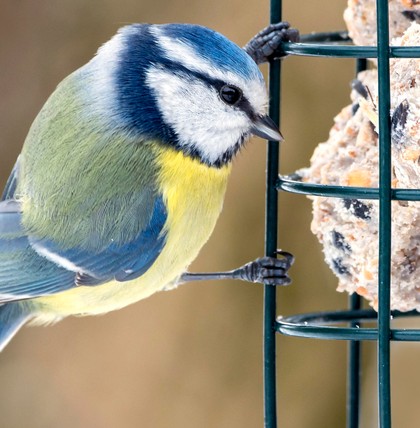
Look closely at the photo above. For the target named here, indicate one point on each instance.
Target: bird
(122, 175)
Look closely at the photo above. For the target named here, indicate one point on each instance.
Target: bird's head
(186, 86)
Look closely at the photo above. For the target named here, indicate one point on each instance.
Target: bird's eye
(230, 94)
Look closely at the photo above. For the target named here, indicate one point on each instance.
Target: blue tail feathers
(12, 317)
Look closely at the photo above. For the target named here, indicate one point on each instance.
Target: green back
(83, 179)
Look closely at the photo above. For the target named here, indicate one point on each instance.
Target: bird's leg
(266, 45)
(265, 270)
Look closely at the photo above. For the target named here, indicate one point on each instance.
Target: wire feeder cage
(320, 325)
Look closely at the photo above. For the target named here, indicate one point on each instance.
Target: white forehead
(182, 53)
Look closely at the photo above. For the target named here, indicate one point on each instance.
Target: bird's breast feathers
(193, 194)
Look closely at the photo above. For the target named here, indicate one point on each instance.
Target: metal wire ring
(312, 325)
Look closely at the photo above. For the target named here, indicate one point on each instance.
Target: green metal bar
(404, 51)
(294, 186)
(343, 50)
(343, 333)
(270, 388)
(354, 347)
(343, 316)
(316, 325)
(384, 311)
(327, 332)
(353, 371)
(329, 50)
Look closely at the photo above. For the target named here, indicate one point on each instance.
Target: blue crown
(214, 47)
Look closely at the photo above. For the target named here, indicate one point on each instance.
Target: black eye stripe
(230, 94)
(242, 103)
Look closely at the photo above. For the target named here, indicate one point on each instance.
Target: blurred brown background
(190, 357)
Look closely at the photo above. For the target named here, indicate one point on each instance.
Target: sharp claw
(288, 256)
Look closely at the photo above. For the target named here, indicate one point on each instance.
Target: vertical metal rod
(354, 347)
(384, 332)
(270, 393)
(353, 374)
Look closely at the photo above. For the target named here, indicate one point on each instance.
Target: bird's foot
(266, 45)
(267, 270)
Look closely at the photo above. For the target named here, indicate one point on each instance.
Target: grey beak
(264, 127)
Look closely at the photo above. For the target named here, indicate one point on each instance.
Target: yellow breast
(193, 194)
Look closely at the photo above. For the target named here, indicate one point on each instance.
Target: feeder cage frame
(320, 325)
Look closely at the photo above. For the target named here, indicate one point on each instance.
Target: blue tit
(122, 175)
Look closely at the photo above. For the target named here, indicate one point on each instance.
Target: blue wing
(23, 272)
(31, 267)
(120, 262)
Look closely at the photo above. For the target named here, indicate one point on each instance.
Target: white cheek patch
(196, 113)
(182, 53)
